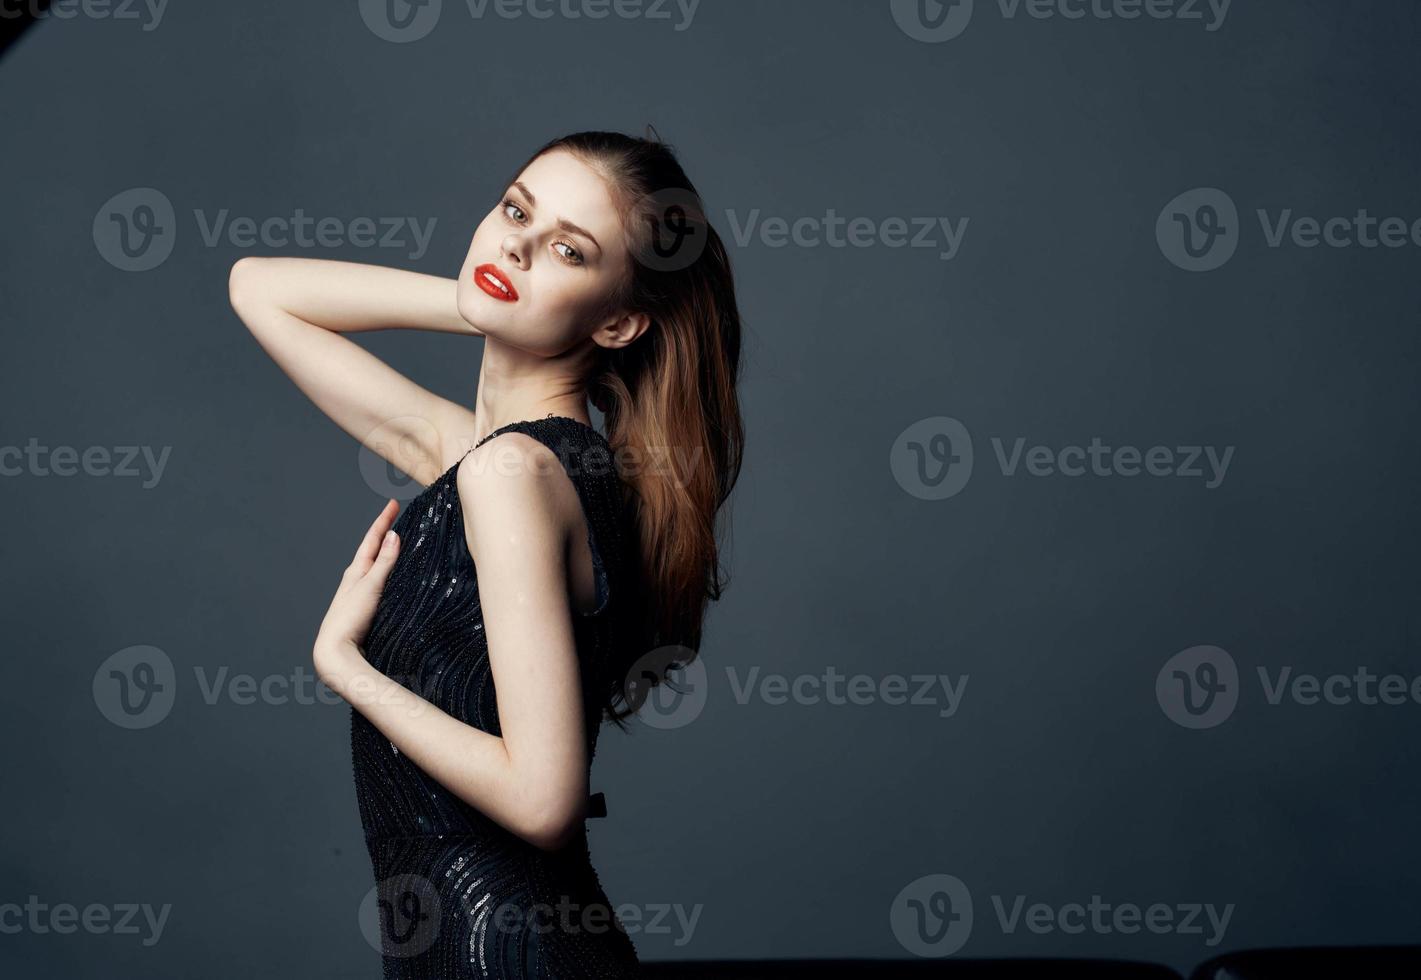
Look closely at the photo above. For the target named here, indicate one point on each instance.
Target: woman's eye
(513, 212)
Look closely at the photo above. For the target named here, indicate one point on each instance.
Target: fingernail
(389, 539)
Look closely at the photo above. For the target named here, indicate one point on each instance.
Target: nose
(515, 250)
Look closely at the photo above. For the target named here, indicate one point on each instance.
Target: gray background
(795, 825)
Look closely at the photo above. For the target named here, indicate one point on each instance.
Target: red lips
(499, 287)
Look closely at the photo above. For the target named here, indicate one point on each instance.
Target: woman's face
(543, 262)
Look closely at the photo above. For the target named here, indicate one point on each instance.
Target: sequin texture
(461, 896)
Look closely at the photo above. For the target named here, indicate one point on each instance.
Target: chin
(474, 306)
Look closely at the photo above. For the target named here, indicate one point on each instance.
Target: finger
(384, 561)
(374, 578)
(370, 544)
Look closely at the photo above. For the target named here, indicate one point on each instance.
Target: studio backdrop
(1071, 571)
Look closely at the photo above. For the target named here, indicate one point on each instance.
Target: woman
(483, 634)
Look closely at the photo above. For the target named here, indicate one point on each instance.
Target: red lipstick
(491, 280)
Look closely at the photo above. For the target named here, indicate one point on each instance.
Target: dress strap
(535, 423)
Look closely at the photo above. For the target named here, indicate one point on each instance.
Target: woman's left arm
(533, 779)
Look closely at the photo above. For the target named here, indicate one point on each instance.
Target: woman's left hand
(348, 619)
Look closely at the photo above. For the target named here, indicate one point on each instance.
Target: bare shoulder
(513, 490)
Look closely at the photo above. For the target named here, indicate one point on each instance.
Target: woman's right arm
(298, 308)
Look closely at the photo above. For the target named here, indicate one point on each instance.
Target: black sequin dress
(458, 895)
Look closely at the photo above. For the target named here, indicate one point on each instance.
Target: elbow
(549, 844)
(242, 282)
(554, 827)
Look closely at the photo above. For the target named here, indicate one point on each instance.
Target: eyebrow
(563, 223)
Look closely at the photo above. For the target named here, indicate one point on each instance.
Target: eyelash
(508, 202)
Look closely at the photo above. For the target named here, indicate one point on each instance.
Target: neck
(515, 385)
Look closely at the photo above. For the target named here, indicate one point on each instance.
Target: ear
(621, 330)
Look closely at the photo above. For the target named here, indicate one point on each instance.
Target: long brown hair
(668, 398)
